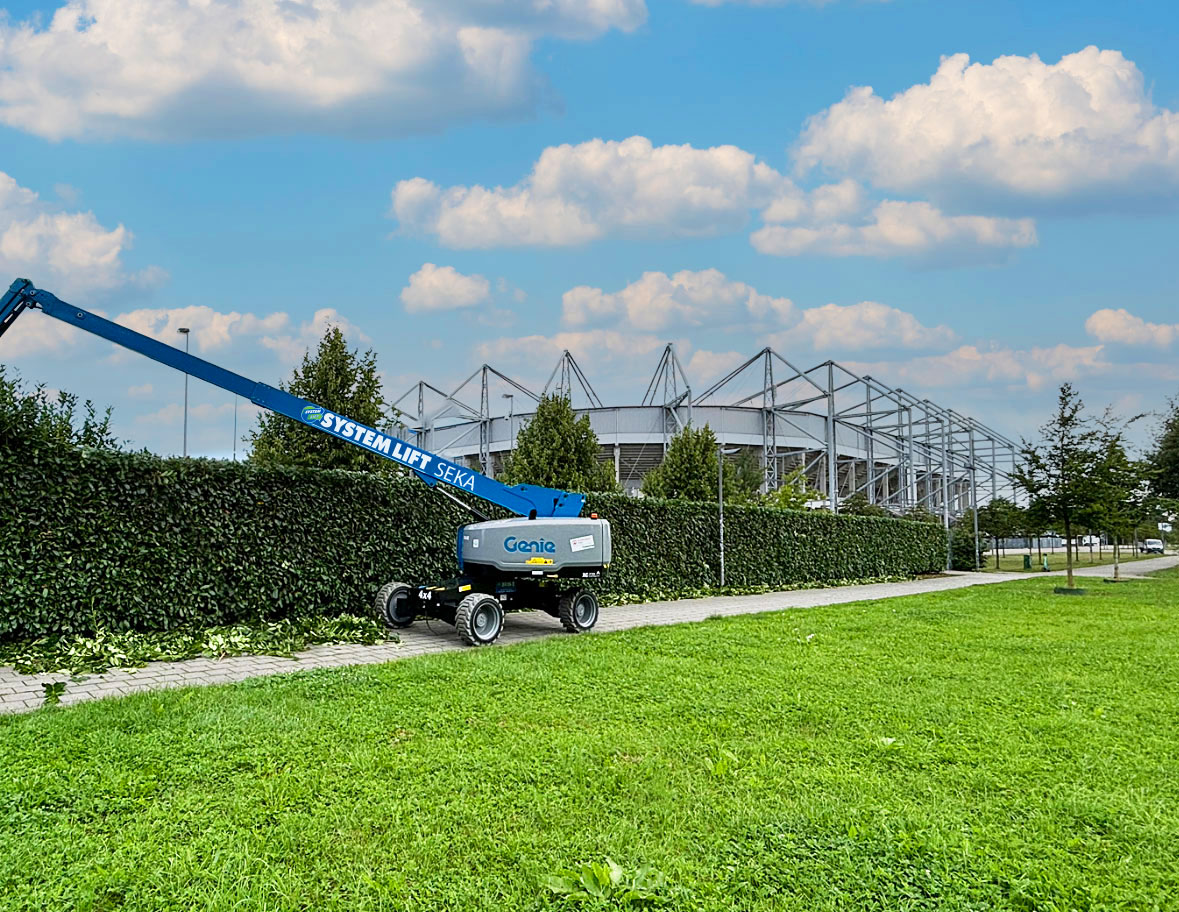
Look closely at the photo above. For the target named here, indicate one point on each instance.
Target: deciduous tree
(51, 420)
(744, 477)
(794, 493)
(857, 505)
(1058, 472)
(1164, 459)
(1123, 494)
(1000, 518)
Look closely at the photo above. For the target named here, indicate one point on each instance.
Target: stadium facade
(849, 433)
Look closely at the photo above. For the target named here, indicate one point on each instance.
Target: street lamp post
(184, 331)
(511, 421)
(721, 453)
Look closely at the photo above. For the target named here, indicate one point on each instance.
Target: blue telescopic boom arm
(523, 500)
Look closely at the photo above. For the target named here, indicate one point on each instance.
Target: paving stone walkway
(22, 693)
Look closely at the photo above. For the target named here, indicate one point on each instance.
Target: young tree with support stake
(1165, 458)
(1123, 492)
(1000, 519)
(1059, 473)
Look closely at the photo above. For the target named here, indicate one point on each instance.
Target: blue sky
(467, 181)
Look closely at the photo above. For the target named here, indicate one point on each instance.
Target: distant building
(850, 433)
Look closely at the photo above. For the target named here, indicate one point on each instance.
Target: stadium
(850, 434)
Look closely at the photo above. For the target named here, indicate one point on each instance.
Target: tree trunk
(1117, 567)
(1068, 551)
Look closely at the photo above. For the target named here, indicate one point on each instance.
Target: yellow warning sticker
(539, 560)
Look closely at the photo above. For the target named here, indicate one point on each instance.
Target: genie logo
(312, 414)
(537, 546)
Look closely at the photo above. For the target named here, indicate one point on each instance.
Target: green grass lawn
(1012, 561)
(989, 748)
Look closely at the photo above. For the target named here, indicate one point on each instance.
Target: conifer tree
(558, 450)
(341, 380)
(689, 468)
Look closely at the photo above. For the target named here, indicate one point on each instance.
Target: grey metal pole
(720, 500)
(974, 500)
(720, 490)
(511, 421)
(184, 331)
(832, 474)
(945, 489)
(871, 449)
(235, 398)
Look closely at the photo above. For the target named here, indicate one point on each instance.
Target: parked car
(1151, 546)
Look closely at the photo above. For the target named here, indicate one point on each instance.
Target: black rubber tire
(395, 603)
(578, 611)
(479, 619)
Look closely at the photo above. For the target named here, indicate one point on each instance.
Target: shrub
(665, 547)
(94, 540)
(963, 547)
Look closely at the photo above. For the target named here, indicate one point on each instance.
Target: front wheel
(578, 611)
(395, 603)
(479, 619)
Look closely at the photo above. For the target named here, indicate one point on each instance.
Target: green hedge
(92, 538)
(665, 547)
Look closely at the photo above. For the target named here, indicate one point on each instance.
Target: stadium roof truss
(849, 434)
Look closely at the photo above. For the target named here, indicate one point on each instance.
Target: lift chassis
(505, 571)
(525, 562)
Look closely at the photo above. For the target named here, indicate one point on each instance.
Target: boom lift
(506, 563)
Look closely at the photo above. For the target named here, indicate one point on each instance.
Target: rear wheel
(578, 611)
(396, 603)
(479, 619)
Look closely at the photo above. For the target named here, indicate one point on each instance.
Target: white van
(1151, 546)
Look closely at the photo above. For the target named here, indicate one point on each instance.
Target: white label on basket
(581, 544)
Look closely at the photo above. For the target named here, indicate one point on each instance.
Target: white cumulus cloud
(65, 252)
(969, 365)
(68, 253)
(1120, 325)
(897, 228)
(770, 2)
(290, 343)
(434, 288)
(163, 68)
(868, 324)
(209, 329)
(578, 193)
(599, 344)
(1082, 128)
(657, 301)
(705, 366)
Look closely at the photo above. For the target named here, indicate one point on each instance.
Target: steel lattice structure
(849, 434)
